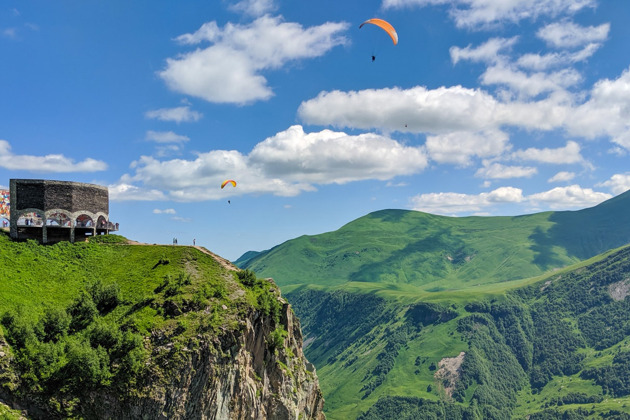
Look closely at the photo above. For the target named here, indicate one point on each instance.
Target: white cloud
(487, 52)
(545, 61)
(452, 203)
(178, 114)
(459, 147)
(229, 71)
(530, 85)
(562, 155)
(417, 109)
(165, 211)
(562, 176)
(567, 34)
(47, 163)
(499, 171)
(286, 164)
(165, 137)
(254, 8)
(335, 157)
(572, 196)
(605, 113)
(618, 183)
(602, 112)
(123, 191)
(481, 13)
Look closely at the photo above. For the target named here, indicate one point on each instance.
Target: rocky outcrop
(256, 371)
(237, 375)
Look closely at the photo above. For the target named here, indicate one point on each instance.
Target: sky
(489, 108)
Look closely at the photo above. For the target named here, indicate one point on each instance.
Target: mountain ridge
(395, 246)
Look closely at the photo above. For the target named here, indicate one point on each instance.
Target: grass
(435, 253)
(167, 296)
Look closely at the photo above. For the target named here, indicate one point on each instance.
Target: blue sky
(483, 108)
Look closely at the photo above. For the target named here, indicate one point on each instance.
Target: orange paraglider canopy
(386, 26)
(228, 181)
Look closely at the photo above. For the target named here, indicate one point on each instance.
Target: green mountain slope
(106, 329)
(541, 348)
(439, 253)
(529, 327)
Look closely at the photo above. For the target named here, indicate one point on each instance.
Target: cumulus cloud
(178, 114)
(562, 155)
(604, 111)
(47, 163)
(165, 137)
(123, 191)
(569, 197)
(477, 14)
(530, 84)
(617, 183)
(460, 147)
(417, 109)
(451, 203)
(568, 34)
(230, 70)
(286, 164)
(562, 176)
(499, 171)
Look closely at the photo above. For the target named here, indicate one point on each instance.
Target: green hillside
(556, 346)
(110, 317)
(389, 297)
(440, 253)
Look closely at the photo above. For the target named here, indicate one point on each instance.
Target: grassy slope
(445, 253)
(344, 365)
(172, 292)
(36, 276)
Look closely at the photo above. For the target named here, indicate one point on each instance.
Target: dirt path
(225, 263)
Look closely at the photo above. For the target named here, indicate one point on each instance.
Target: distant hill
(551, 347)
(438, 252)
(109, 329)
(410, 315)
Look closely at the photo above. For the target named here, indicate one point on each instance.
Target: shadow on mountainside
(585, 233)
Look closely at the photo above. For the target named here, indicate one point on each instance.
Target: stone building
(52, 211)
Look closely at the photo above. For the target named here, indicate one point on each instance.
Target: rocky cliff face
(241, 374)
(234, 376)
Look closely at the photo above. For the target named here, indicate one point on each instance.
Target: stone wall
(70, 196)
(48, 199)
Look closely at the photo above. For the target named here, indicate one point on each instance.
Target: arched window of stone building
(59, 219)
(101, 223)
(84, 220)
(31, 218)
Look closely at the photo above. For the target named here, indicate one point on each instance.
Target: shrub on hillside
(54, 324)
(83, 311)
(247, 277)
(106, 297)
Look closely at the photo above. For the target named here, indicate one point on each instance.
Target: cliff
(238, 375)
(186, 337)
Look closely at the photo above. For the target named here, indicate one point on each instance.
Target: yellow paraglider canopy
(386, 26)
(228, 181)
